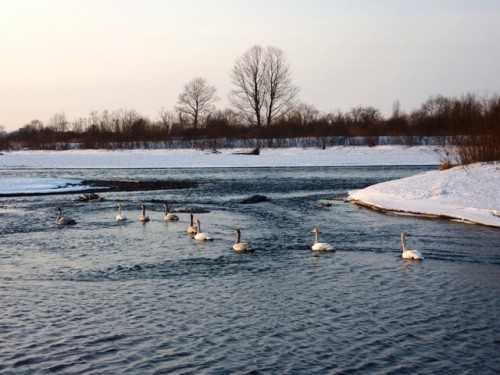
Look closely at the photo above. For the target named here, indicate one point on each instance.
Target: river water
(106, 297)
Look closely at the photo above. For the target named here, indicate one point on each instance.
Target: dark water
(103, 297)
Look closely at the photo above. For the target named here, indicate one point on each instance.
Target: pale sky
(76, 56)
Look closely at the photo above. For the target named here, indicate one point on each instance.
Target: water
(106, 297)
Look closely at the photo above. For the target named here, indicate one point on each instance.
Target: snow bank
(14, 185)
(468, 193)
(189, 158)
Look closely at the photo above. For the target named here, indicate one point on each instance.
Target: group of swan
(238, 246)
(145, 218)
(406, 254)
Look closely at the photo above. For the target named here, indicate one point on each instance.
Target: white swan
(240, 246)
(143, 218)
(192, 229)
(409, 254)
(120, 217)
(200, 236)
(60, 220)
(167, 216)
(320, 246)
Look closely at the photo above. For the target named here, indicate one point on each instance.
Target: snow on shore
(191, 158)
(469, 193)
(464, 193)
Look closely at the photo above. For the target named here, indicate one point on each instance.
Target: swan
(240, 246)
(409, 254)
(143, 218)
(60, 220)
(192, 229)
(120, 217)
(320, 246)
(167, 216)
(200, 236)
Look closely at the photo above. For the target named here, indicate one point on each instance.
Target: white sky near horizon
(76, 56)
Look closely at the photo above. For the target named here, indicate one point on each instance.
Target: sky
(79, 56)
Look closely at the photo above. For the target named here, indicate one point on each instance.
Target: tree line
(265, 108)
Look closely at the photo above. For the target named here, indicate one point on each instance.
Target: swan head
(237, 231)
(315, 230)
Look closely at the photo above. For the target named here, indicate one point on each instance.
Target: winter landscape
(467, 193)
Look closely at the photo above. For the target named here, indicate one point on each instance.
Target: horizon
(83, 56)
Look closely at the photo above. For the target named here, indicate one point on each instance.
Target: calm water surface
(106, 297)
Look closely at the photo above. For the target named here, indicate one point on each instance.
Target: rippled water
(106, 297)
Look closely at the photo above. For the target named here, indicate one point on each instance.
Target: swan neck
(316, 237)
(238, 236)
(403, 243)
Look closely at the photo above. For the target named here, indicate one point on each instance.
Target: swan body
(320, 246)
(240, 246)
(60, 220)
(192, 229)
(143, 218)
(200, 236)
(120, 217)
(167, 216)
(409, 254)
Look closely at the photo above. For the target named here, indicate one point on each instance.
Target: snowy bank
(465, 193)
(191, 158)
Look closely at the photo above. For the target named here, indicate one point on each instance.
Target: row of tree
(264, 106)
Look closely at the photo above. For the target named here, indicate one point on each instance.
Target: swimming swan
(240, 246)
(120, 217)
(167, 216)
(60, 220)
(409, 254)
(320, 246)
(200, 236)
(143, 218)
(192, 229)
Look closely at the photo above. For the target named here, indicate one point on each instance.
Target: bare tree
(58, 122)
(281, 93)
(197, 99)
(263, 88)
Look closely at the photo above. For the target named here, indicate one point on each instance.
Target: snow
(463, 193)
(466, 193)
(14, 185)
(190, 158)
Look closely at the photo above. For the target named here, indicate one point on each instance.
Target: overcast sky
(76, 56)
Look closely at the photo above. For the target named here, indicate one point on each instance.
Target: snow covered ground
(465, 193)
(191, 158)
(469, 193)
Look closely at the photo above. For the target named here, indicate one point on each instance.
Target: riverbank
(463, 193)
(468, 194)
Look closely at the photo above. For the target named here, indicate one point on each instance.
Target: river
(106, 297)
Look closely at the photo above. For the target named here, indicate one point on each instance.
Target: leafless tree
(197, 99)
(305, 113)
(263, 88)
(58, 122)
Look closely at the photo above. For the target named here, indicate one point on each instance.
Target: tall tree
(263, 87)
(197, 99)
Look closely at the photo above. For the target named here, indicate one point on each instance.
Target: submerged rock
(254, 199)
